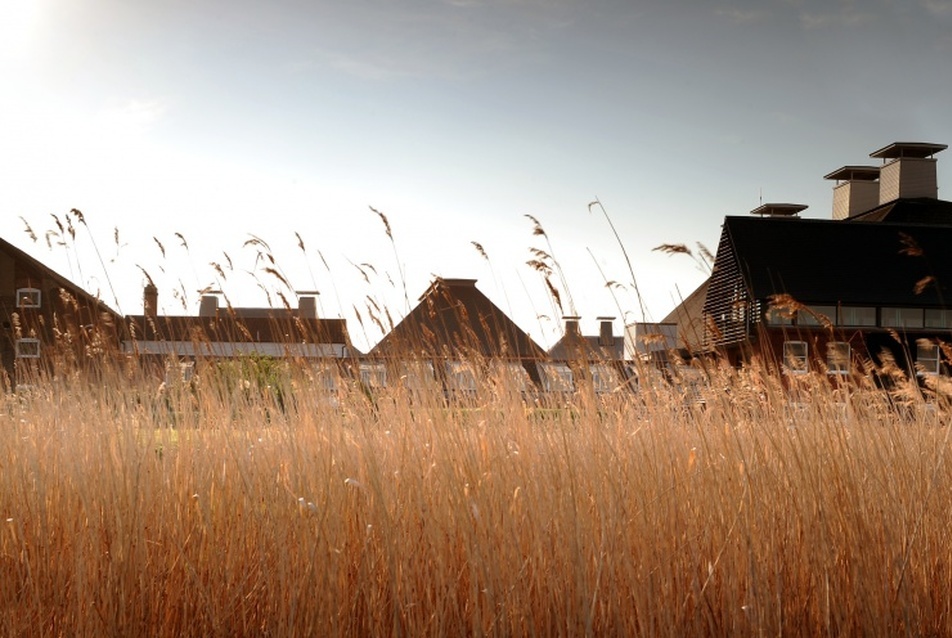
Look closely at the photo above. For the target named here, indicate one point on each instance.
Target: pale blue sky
(456, 118)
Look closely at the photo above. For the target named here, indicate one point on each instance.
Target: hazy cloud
(744, 16)
(454, 38)
(938, 7)
(847, 17)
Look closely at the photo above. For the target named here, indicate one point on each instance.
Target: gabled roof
(826, 261)
(454, 318)
(578, 346)
(61, 281)
(689, 317)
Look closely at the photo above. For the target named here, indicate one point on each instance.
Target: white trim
(556, 377)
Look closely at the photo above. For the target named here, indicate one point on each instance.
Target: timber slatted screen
(728, 309)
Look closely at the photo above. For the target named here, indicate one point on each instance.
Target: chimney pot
(208, 306)
(606, 334)
(572, 326)
(307, 307)
(150, 300)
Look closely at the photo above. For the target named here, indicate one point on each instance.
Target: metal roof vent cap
(778, 210)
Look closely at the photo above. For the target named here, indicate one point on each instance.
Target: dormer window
(28, 297)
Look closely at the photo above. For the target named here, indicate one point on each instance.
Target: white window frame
(928, 358)
(838, 362)
(557, 377)
(513, 375)
(417, 375)
(182, 371)
(795, 362)
(373, 375)
(29, 297)
(27, 348)
(328, 378)
(460, 376)
(604, 378)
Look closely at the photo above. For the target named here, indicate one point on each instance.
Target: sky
(361, 148)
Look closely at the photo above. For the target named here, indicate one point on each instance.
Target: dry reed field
(215, 508)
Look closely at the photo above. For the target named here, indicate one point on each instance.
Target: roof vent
(778, 210)
(856, 190)
(908, 170)
(150, 300)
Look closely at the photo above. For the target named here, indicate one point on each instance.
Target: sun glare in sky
(18, 19)
(217, 120)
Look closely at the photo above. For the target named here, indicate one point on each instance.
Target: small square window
(417, 375)
(373, 375)
(795, 357)
(512, 375)
(557, 377)
(28, 348)
(28, 297)
(604, 378)
(460, 376)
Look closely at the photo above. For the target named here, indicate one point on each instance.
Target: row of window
(556, 377)
(796, 359)
(863, 316)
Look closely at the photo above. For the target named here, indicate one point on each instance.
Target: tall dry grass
(209, 509)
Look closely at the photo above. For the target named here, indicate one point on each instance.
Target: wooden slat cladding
(908, 177)
(728, 311)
